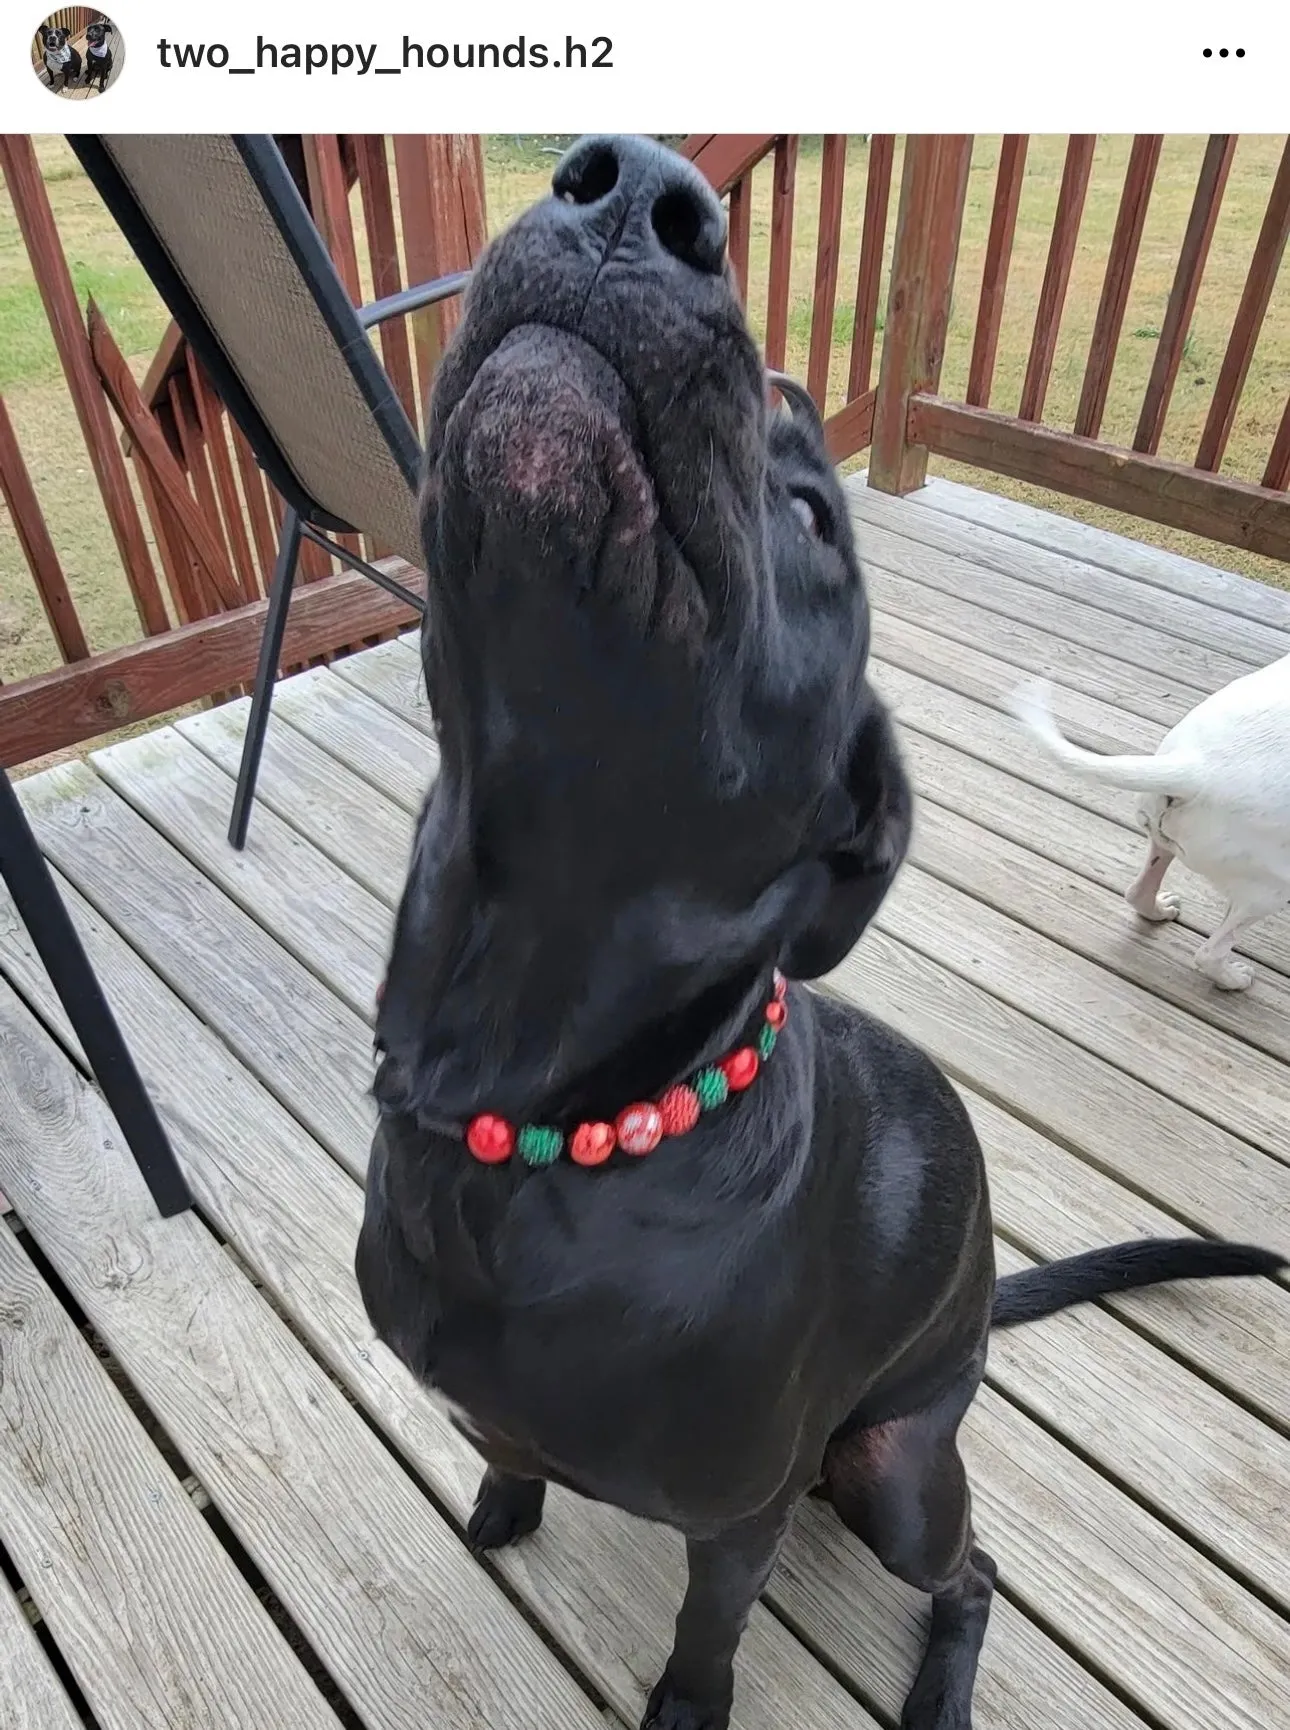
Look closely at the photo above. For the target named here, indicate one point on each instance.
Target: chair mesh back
(212, 220)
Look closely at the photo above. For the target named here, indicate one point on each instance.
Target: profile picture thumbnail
(78, 52)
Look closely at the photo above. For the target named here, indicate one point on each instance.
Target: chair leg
(284, 577)
(50, 928)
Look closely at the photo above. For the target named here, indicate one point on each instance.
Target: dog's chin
(542, 497)
(544, 440)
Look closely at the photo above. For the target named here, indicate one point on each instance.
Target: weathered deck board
(392, 675)
(1154, 566)
(1204, 1175)
(828, 1585)
(370, 740)
(1147, 1422)
(152, 1616)
(1125, 599)
(1238, 1444)
(1052, 1204)
(985, 679)
(1183, 1642)
(299, 778)
(301, 894)
(270, 1009)
(1061, 615)
(921, 701)
(1033, 649)
(1217, 1077)
(1095, 923)
(336, 715)
(31, 1695)
(607, 1586)
(411, 1629)
(1238, 1531)
(1127, 1388)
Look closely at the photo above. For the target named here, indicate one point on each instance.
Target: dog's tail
(1175, 776)
(1042, 1291)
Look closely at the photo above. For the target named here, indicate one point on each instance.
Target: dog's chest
(672, 1435)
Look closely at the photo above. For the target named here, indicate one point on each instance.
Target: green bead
(766, 1040)
(711, 1087)
(538, 1145)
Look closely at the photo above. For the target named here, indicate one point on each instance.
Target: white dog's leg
(1144, 895)
(1215, 959)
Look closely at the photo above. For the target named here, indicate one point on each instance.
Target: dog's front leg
(727, 1574)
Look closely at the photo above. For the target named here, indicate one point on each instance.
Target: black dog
(664, 773)
(98, 55)
(62, 61)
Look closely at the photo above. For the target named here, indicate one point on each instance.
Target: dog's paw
(933, 1712)
(506, 1510)
(1229, 974)
(1166, 906)
(669, 1709)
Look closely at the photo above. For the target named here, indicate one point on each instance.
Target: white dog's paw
(1228, 974)
(1166, 906)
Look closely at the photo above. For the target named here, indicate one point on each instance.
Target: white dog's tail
(1172, 774)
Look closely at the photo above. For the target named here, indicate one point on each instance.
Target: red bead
(776, 1014)
(640, 1129)
(592, 1143)
(490, 1139)
(781, 986)
(679, 1110)
(740, 1068)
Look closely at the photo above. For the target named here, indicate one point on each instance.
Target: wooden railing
(730, 162)
(903, 415)
(73, 18)
(854, 295)
(194, 521)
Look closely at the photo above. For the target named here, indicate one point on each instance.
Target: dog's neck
(659, 1052)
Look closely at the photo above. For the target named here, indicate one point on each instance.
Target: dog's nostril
(588, 179)
(688, 231)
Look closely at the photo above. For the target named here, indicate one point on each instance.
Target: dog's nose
(661, 200)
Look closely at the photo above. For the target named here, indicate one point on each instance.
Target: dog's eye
(809, 514)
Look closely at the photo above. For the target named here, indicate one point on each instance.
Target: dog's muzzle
(543, 434)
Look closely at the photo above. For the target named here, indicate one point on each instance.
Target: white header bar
(567, 66)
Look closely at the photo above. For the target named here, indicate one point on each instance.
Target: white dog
(1215, 795)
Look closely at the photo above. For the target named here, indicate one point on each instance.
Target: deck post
(932, 189)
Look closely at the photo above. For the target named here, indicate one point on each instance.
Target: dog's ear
(861, 868)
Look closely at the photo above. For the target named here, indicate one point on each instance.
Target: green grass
(101, 263)
(518, 171)
(26, 354)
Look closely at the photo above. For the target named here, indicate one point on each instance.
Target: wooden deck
(222, 1504)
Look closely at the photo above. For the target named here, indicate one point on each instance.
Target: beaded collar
(640, 1127)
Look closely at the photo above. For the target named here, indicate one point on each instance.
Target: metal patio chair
(219, 225)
